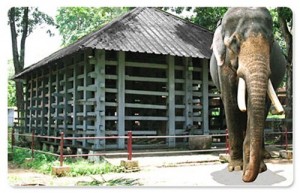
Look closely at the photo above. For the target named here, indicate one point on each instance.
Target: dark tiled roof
(144, 30)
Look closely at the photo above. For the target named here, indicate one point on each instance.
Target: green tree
(11, 90)
(285, 20)
(207, 17)
(22, 22)
(75, 22)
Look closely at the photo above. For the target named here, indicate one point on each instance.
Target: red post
(286, 139)
(129, 145)
(61, 156)
(12, 140)
(32, 143)
(227, 142)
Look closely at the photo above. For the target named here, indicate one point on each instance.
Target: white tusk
(274, 98)
(242, 95)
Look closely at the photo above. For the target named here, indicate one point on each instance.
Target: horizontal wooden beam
(145, 106)
(145, 118)
(144, 92)
(145, 79)
(146, 65)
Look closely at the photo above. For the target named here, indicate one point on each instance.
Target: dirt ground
(164, 171)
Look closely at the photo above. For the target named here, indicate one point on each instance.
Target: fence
(129, 138)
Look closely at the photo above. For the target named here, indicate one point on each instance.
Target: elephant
(246, 66)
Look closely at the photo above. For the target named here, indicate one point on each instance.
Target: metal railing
(129, 152)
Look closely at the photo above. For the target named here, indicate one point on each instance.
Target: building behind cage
(147, 71)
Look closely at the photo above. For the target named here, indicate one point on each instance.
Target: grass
(79, 167)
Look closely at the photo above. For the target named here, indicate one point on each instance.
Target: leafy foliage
(75, 22)
(22, 22)
(11, 94)
(35, 18)
(208, 17)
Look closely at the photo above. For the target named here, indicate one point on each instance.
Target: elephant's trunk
(256, 116)
(254, 68)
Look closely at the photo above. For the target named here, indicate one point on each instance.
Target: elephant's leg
(235, 119)
(236, 124)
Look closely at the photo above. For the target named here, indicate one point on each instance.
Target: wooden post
(43, 123)
(84, 126)
(56, 94)
(129, 145)
(61, 152)
(26, 110)
(36, 97)
(31, 103)
(65, 94)
(100, 98)
(121, 98)
(50, 101)
(188, 88)
(171, 100)
(75, 98)
(205, 101)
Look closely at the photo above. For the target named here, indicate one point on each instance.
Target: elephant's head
(244, 40)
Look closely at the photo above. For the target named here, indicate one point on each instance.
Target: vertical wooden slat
(188, 88)
(31, 104)
(56, 103)
(100, 98)
(85, 98)
(121, 98)
(75, 98)
(43, 109)
(65, 98)
(205, 101)
(171, 100)
(26, 110)
(50, 101)
(35, 103)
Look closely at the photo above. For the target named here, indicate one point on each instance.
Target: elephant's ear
(218, 46)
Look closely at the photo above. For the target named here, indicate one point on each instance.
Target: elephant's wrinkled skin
(245, 53)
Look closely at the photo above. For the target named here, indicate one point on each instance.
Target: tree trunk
(289, 81)
(18, 57)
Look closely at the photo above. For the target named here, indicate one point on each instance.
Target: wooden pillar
(121, 98)
(188, 88)
(205, 101)
(31, 103)
(36, 98)
(56, 114)
(43, 101)
(75, 98)
(64, 83)
(26, 110)
(50, 101)
(100, 98)
(85, 85)
(171, 100)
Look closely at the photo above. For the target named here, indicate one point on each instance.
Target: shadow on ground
(266, 178)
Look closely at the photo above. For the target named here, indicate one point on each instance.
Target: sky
(38, 44)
